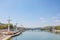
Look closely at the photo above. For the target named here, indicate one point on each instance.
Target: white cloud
(43, 19)
(55, 18)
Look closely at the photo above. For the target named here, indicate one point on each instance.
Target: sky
(30, 13)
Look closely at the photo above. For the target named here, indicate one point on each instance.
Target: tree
(5, 26)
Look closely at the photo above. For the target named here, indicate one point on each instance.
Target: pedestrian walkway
(6, 37)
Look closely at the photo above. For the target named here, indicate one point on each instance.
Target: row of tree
(5, 26)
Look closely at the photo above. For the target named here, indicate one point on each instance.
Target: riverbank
(17, 33)
(6, 37)
(56, 31)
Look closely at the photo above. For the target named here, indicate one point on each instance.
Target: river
(37, 35)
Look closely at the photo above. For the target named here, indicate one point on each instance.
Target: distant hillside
(51, 27)
(57, 27)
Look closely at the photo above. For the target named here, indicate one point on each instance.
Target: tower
(9, 24)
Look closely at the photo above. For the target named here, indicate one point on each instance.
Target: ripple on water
(37, 35)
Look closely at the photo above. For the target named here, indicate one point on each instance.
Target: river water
(37, 35)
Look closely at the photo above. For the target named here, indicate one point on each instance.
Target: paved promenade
(6, 37)
(2, 35)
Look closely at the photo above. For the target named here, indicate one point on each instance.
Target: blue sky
(31, 13)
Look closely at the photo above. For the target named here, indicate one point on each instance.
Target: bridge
(33, 29)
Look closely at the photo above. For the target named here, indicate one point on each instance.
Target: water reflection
(37, 35)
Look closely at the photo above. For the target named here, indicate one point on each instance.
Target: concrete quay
(7, 36)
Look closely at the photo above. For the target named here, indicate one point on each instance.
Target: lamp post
(16, 26)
